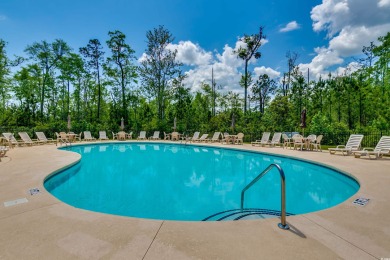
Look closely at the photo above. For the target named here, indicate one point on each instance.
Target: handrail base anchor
(285, 227)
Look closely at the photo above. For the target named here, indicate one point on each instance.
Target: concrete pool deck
(45, 228)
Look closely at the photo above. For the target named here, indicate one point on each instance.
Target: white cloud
(329, 15)
(143, 57)
(290, 27)
(273, 74)
(350, 40)
(384, 3)
(333, 15)
(226, 65)
(191, 54)
(350, 25)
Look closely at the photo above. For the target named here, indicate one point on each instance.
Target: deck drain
(34, 191)
(361, 201)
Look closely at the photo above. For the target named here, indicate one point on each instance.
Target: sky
(327, 35)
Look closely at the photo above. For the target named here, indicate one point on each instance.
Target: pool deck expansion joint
(151, 243)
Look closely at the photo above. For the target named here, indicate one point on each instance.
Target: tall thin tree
(159, 66)
(94, 56)
(47, 55)
(250, 49)
(119, 67)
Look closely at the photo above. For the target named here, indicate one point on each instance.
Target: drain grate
(361, 201)
(34, 191)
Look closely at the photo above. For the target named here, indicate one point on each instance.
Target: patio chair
(215, 137)
(142, 135)
(202, 138)
(3, 147)
(129, 135)
(114, 136)
(239, 138)
(3, 150)
(275, 139)
(156, 136)
(88, 136)
(352, 145)
(287, 141)
(317, 143)
(226, 138)
(11, 140)
(103, 135)
(194, 137)
(264, 140)
(167, 136)
(298, 141)
(42, 137)
(27, 140)
(62, 138)
(382, 148)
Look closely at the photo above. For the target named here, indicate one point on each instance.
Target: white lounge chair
(11, 140)
(202, 138)
(275, 139)
(156, 136)
(194, 137)
(42, 137)
(88, 136)
(27, 140)
(142, 135)
(215, 137)
(103, 135)
(264, 140)
(352, 145)
(382, 148)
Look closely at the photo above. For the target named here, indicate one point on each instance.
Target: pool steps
(250, 213)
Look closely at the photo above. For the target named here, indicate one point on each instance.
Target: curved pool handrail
(283, 224)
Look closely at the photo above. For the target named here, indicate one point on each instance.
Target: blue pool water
(185, 182)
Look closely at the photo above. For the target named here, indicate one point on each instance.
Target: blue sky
(325, 33)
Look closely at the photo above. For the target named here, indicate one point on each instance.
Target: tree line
(98, 89)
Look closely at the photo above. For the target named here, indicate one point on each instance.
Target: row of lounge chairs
(217, 137)
(311, 142)
(66, 138)
(26, 140)
(353, 146)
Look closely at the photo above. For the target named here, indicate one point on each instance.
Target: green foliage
(319, 124)
(99, 90)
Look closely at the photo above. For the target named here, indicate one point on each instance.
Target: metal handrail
(283, 224)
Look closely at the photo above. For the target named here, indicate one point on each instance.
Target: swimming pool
(186, 182)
